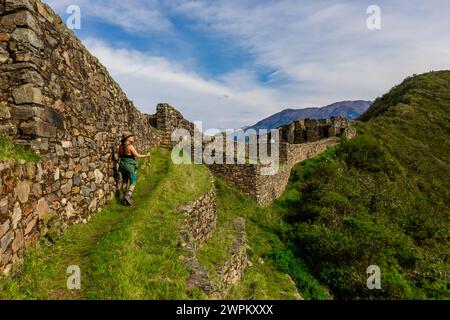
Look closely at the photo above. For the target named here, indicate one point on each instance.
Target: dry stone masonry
(201, 219)
(299, 141)
(59, 101)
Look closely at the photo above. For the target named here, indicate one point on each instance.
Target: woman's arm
(137, 154)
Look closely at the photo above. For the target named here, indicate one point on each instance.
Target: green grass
(382, 198)
(265, 278)
(10, 150)
(124, 253)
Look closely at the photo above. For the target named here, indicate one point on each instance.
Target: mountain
(381, 199)
(348, 109)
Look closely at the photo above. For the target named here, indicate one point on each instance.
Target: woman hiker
(128, 165)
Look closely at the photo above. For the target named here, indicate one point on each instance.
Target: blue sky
(230, 63)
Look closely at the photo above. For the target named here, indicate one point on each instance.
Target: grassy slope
(382, 198)
(272, 261)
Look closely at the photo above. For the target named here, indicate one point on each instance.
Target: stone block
(4, 110)
(13, 5)
(18, 243)
(4, 55)
(4, 228)
(28, 94)
(6, 241)
(21, 19)
(38, 128)
(39, 144)
(8, 130)
(31, 225)
(43, 210)
(42, 9)
(4, 37)
(98, 176)
(17, 215)
(66, 188)
(27, 112)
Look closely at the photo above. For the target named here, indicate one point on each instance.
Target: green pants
(128, 169)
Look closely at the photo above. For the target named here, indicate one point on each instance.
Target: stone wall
(266, 188)
(35, 196)
(311, 130)
(58, 100)
(240, 176)
(168, 119)
(270, 187)
(201, 219)
(233, 269)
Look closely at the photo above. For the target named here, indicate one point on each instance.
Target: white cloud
(326, 50)
(321, 51)
(234, 100)
(132, 15)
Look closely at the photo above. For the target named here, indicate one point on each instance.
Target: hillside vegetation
(381, 199)
(12, 151)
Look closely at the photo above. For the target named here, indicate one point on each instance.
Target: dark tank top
(124, 156)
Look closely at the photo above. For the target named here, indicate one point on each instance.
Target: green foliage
(382, 199)
(10, 150)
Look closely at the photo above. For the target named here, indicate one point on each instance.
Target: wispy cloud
(221, 103)
(311, 52)
(132, 15)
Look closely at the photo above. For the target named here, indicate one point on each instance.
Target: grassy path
(133, 253)
(123, 253)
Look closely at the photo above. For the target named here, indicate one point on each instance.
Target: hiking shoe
(128, 199)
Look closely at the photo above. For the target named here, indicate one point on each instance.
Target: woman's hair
(124, 140)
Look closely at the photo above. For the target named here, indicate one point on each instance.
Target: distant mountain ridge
(348, 109)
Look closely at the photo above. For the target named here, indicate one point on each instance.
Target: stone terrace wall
(311, 130)
(27, 204)
(240, 176)
(266, 188)
(270, 187)
(55, 96)
(201, 219)
(233, 269)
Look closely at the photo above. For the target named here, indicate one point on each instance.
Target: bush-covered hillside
(381, 199)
